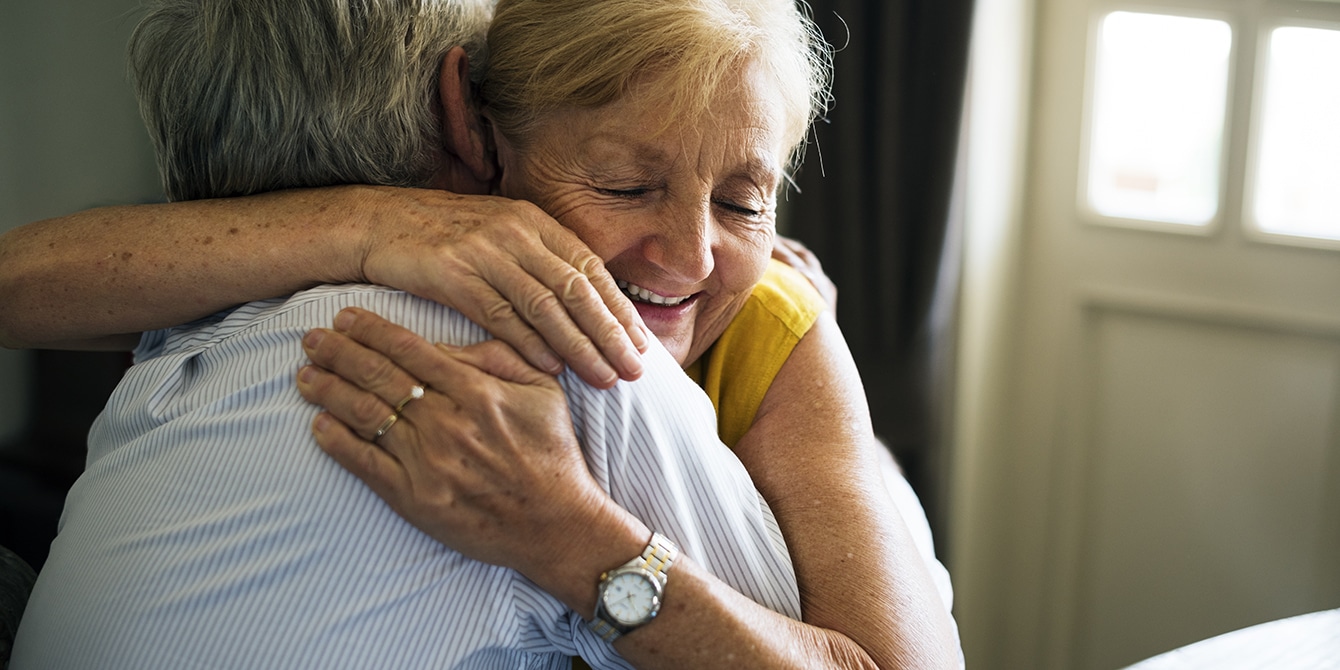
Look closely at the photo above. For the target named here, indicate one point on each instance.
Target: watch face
(630, 597)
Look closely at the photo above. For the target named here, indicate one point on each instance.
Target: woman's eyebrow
(759, 170)
(632, 147)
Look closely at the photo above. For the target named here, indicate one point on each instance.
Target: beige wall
(70, 136)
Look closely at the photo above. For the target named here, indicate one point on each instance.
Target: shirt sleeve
(653, 445)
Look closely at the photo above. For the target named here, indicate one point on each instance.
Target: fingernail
(344, 320)
(321, 424)
(551, 364)
(605, 373)
(313, 338)
(631, 363)
(306, 375)
(638, 337)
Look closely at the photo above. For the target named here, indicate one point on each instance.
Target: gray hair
(245, 96)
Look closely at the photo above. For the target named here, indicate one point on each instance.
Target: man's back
(210, 531)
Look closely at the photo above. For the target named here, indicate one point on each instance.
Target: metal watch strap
(659, 555)
(656, 558)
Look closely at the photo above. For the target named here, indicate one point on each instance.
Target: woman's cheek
(752, 258)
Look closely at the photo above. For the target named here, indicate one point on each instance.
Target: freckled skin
(685, 208)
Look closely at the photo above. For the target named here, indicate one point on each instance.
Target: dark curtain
(877, 204)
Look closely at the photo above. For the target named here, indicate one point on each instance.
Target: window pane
(1298, 158)
(1160, 87)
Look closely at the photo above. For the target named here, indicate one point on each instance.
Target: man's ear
(464, 136)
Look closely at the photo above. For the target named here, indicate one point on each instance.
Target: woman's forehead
(621, 151)
(743, 117)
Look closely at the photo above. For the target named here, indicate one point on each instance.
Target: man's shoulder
(663, 383)
(290, 316)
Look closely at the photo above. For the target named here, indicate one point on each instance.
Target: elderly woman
(659, 133)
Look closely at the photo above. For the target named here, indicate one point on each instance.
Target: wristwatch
(630, 595)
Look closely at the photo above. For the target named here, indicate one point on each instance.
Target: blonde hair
(244, 96)
(551, 54)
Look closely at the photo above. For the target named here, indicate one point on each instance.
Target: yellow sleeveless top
(738, 369)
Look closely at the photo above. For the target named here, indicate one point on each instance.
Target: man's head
(246, 96)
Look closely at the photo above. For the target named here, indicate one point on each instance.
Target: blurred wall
(70, 136)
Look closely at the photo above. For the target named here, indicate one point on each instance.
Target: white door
(1163, 461)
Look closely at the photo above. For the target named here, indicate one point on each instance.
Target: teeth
(638, 293)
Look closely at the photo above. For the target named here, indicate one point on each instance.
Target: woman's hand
(801, 259)
(515, 271)
(485, 461)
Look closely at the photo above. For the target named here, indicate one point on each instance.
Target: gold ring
(414, 394)
(386, 425)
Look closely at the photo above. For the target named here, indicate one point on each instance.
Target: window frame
(1250, 226)
(1098, 12)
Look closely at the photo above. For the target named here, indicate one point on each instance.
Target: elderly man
(208, 529)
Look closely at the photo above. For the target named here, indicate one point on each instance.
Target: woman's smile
(662, 314)
(682, 211)
(641, 295)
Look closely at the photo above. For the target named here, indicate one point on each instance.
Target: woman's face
(683, 211)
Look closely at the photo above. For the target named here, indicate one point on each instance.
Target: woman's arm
(76, 280)
(813, 454)
(98, 278)
(867, 601)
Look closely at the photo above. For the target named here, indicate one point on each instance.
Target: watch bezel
(657, 588)
(652, 566)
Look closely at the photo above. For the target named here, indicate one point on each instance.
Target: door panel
(1164, 462)
(1205, 500)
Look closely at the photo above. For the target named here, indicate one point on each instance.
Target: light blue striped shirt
(210, 531)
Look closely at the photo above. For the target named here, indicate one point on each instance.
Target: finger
(790, 252)
(417, 358)
(536, 297)
(801, 259)
(362, 367)
(557, 312)
(594, 298)
(594, 317)
(615, 301)
(355, 408)
(380, 470)
(562, 302)
(497, 358)
(808, 256)
(374, 354)
(493, 310)
(797, 247)
(784, 253)
(566, 245)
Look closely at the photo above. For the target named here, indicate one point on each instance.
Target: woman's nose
(682, 247)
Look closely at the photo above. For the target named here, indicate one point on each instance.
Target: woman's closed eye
(738, 209)
(734, 206)
(635, 192)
